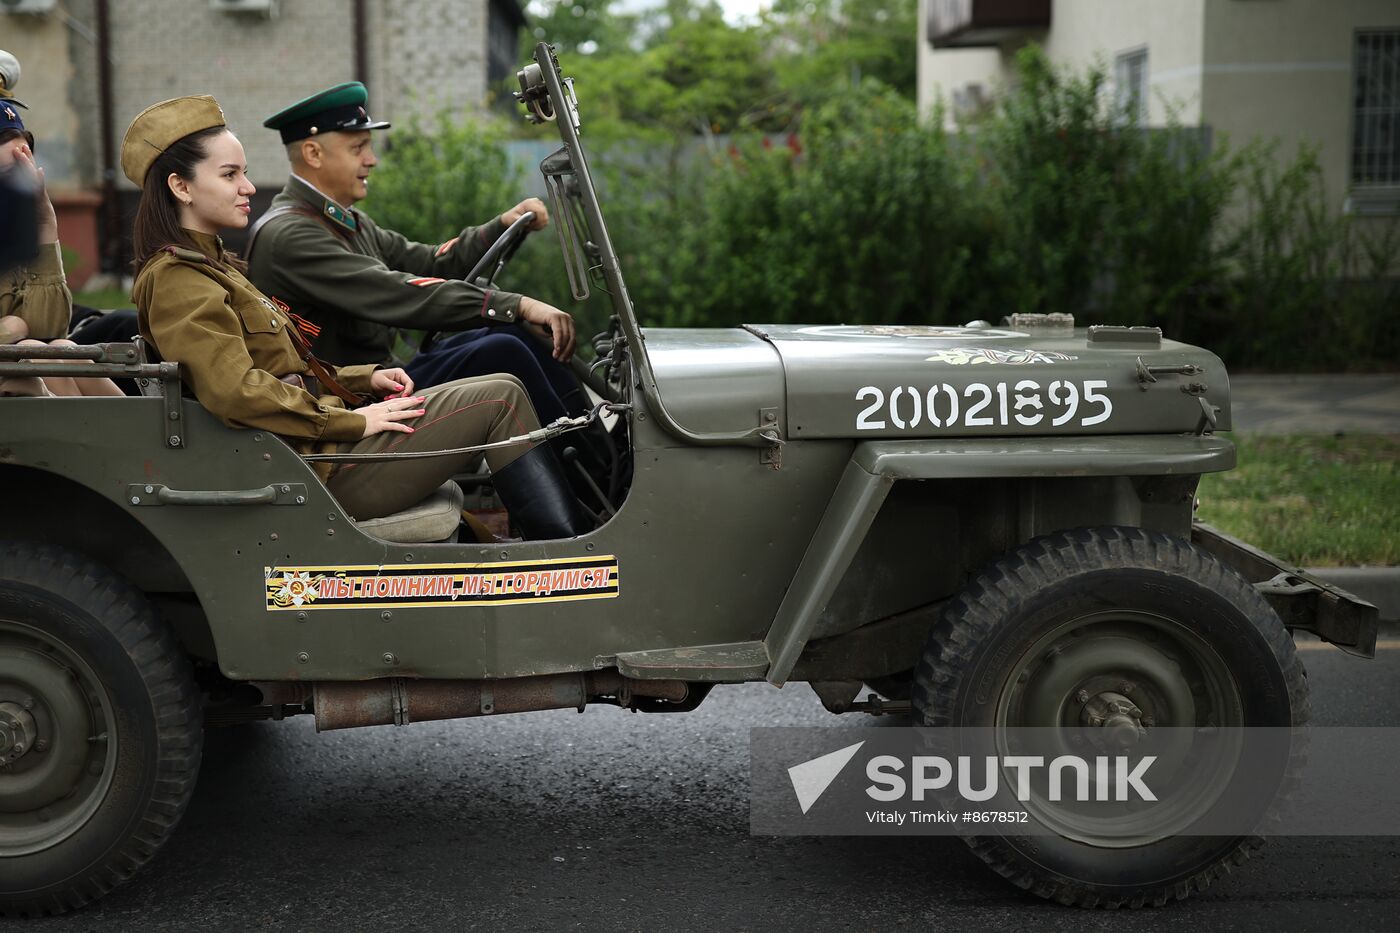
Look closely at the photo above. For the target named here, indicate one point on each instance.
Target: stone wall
(254, 66)
(423, 56)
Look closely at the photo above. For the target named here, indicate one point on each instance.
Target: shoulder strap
(273, 213)
(282, 210)
(318, 369)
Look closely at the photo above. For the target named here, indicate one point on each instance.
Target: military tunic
(357, 282)
(38, 294)
(233, 345)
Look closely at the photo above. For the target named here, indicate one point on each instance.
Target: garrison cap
(160, 126)
(337, 109)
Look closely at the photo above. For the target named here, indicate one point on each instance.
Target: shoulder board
(188, 255)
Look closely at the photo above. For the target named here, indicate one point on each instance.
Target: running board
(735, 662)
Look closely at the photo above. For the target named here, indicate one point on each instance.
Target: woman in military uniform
(243, 359)
(35, 304)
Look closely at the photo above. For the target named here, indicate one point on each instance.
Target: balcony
(969, 23)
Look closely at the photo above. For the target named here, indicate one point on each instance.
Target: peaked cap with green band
(337, 109)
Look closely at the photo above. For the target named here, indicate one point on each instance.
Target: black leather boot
(541, 502)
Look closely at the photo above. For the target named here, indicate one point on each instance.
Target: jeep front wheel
(1080, 629)
(100, 731)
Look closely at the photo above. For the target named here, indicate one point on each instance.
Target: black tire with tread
(113, 628)
(981, 617)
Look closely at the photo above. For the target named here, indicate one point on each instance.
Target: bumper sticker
(382, 587)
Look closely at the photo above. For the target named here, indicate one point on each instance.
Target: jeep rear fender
(876, 466)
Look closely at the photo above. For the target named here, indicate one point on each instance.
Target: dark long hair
(7, 135)
(158, 214)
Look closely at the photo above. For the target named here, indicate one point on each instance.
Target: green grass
(104, 299)
(1315, 501)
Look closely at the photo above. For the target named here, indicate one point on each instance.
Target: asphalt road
(617, 821)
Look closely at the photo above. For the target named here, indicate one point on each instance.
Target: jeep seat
(432, 520)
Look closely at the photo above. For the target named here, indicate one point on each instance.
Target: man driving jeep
(354, 282)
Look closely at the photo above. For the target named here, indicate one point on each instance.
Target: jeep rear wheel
(100, 730)
(1152, 630)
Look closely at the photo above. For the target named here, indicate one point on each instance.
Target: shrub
(1307, 284)
(860, 217)
(437, 178)
(864, 215)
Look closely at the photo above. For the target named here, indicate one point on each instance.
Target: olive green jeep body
(841, 505)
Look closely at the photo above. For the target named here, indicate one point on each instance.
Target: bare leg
(93, 386)
(24, 385)
(58, 385)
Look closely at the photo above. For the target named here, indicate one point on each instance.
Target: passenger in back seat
(244, 360)
(34, 300)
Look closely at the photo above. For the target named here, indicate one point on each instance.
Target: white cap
(9, 73)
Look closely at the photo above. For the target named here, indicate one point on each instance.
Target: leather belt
(304, 382)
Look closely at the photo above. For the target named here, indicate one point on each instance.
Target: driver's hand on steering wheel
(529, 204)
(558, 324)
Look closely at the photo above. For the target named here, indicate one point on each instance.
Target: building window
(1130, 85)
(1375, 117)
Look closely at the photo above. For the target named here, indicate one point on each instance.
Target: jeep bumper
(1301, 599)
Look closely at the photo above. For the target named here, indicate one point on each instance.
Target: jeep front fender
(875, 466)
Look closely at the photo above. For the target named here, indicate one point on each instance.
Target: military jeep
(983, 525)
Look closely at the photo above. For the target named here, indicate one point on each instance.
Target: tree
(696, 76)
(584, 27)
(836, 43)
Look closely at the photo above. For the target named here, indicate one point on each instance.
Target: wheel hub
(17, 731)
(57, 754)
(1104, 680)
(1116, 719)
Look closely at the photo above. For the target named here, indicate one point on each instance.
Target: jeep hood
(876, 381)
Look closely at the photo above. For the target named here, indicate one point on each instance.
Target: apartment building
(1325, 72)
(89, 66)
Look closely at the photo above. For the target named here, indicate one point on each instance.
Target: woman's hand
(48, 220)
(391, 383)
(390, 415)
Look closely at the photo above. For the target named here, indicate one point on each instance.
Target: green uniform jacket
(38, 294)
(232, 347)
(357, 282)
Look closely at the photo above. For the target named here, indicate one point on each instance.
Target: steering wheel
(484, 273)
(501, 251)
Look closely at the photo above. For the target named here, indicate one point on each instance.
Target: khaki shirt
(357, 281)
(233, 347)
(38, 294)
